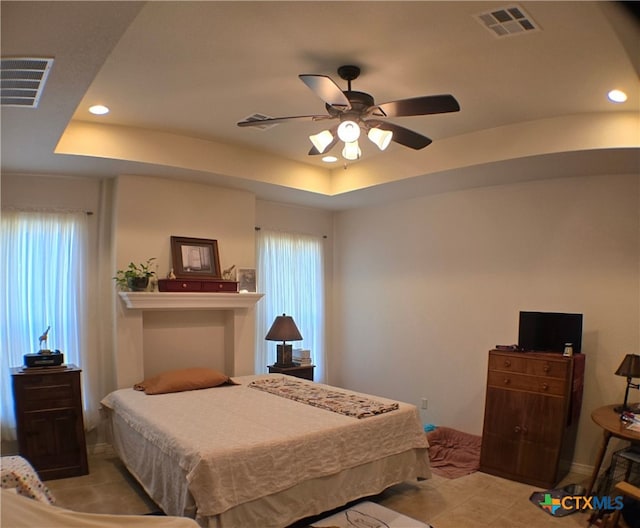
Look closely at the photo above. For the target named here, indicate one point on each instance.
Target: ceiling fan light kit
(349, 131)
(351, 151)
(381, 138)
(321, 140)
(357, 111)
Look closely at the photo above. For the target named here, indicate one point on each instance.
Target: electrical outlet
(424, 403)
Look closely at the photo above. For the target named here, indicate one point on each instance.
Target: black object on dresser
(531, 415)
(48, 406)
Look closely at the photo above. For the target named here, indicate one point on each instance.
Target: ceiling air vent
(22, 80)
(260, 117)
(507, 21)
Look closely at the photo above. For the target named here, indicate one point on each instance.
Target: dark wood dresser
(48, 405)
(531, 415)
(299, 371)
(197, 285)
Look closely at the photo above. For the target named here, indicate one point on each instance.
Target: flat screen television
(549, 331)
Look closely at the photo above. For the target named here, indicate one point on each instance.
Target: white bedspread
(237, 444)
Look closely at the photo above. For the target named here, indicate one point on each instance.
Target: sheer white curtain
(43, 265)
(290, 272)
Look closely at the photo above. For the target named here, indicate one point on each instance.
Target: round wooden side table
(609, 421)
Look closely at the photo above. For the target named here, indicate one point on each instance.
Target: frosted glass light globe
(349, 131)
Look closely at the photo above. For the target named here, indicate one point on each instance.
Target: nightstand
(48, 405)
(304, 372)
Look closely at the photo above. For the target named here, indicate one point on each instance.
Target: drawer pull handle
(546, 368)
(524, 430)
(516, 429)
(184, 284)
(507, 381)
(545, 386)
(507, 363)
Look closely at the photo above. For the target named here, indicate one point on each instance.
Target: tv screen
(549, 331)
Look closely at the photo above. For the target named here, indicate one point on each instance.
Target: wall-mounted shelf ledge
(189, 301)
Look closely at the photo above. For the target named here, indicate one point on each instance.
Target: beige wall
(425, 287)
(148, 211)
(283, 217)
(419, 289)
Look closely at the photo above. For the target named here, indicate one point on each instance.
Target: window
(290, 272)
(42, 268)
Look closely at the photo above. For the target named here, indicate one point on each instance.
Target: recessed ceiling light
(617, 96)
(98, 109)
(329, 159)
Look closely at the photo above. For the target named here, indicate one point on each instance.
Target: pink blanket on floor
(453, 453)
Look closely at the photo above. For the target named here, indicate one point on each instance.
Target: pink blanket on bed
(453, 453)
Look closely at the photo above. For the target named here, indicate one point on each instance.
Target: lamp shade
(321, 140)
(630, 366)
(380, 137)
(283, 329)
(351, 151)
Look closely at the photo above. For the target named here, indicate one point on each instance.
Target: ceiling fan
(357, 111)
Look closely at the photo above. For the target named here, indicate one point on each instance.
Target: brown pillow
(183, 380)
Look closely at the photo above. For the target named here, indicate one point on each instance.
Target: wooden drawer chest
(197, 285)
(48, 406)
(304, 372)
(531, 420)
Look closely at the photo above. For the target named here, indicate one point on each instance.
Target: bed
(266, 451)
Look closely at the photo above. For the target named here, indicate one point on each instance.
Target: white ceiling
(179, 75)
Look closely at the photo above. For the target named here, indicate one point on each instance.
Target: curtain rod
(46, 210)
(258, 228)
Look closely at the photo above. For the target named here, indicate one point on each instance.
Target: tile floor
(474, 501)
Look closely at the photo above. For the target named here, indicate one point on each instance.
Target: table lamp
(630, 368)
(284, 329)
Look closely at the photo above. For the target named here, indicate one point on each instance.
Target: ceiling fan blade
(428, 104)
(402, 135)
(327, 90)
(276, 120)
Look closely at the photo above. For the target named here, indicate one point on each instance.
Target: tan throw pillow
(183, 380)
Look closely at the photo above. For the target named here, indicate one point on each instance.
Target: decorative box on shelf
(197, 285)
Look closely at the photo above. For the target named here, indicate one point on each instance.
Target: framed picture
(195, 258)
(246, 280)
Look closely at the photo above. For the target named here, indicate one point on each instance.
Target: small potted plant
(136, 276)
